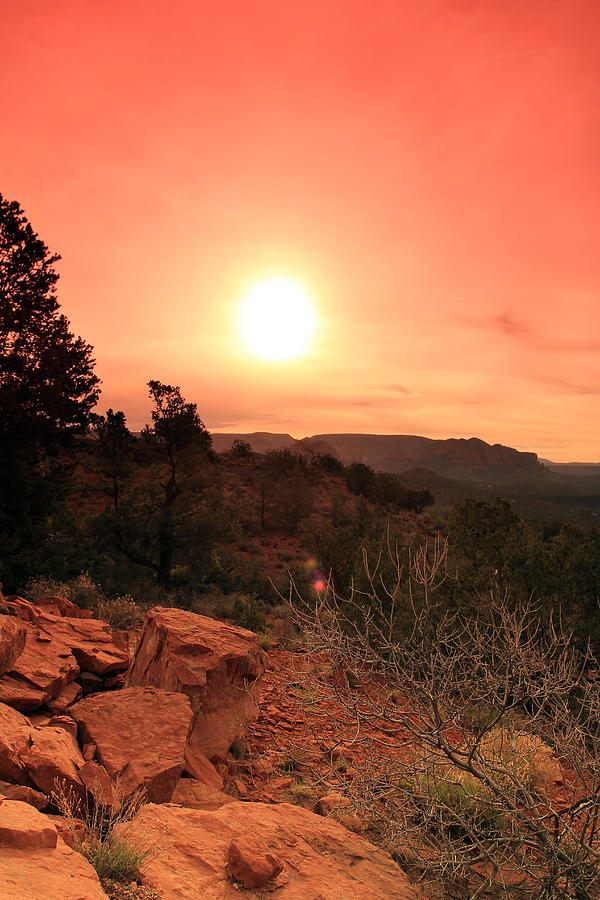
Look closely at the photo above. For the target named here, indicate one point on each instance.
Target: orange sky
(429, 170)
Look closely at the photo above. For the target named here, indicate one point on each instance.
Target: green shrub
(265, 640)
(248, 611)
(121, 612)
(111, 843)
(82, 590)
(118, 857)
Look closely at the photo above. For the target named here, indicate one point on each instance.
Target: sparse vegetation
(111, 842)
(476, 808)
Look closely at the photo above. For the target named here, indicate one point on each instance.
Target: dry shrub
(526, 757)
(112, 843)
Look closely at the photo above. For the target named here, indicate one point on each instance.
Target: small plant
(121, 612)
(248, 610)
(265, 640)
(295, 760)
(110, 843)
(302, 794)
(341, 764)
(238, 748)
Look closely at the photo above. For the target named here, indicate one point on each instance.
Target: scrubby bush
(111, 842)
(81, 590)
(248, 611)
(121, 612)
(469, 802)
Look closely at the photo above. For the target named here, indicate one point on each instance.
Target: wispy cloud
(511, 325)
(397, 389)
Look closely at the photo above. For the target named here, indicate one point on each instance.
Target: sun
(277, 320)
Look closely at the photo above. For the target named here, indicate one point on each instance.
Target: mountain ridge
(464, 458)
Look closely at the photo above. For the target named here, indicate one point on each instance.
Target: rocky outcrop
(56, 649)
(319, 857)
(35, 862)
(218, 666)
(60, 606)
(41, 671)
(90, 642)
(138, 735)
(12, 642)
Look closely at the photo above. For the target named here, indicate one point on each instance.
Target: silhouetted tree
(241, 449)
(47, 379)
(47, 390)
(148, 530)
(115, 445)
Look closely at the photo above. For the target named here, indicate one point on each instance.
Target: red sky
(428, 170)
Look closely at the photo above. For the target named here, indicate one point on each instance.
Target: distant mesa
(464, 458)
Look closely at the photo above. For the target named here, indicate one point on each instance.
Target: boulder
(71, 693)
(12, 642)
(198, 795)
(320, 858)
(251, 863)
(24, 828)
(15, 730)
(25, 794)
(36, 863)
(98, 783)
(219, 667)
(139, 734)
(197, 766)
(39, 673)
(54, 758)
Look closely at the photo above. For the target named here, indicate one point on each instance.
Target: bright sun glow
(276, 319)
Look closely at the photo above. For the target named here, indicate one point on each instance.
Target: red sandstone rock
(39, 673)
(89, 751)
(218, 666)
(52, 759)
(98, 783)
(60, 606)
(320, 857)
(24, 828)
(15, 730)
(90, 642)
(140, 736)
(197, 766)
(24, 794)
(65, 722)
(198, 795)
(71, 693)
(251, 863)
(12, 642)
(35, 863)
(71, 830)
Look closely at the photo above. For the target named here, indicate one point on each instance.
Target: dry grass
(111, 842)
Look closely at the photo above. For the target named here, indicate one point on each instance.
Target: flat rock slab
(35, 864)
(321, 859)
(218, 666)
(12, 642)
(140, 735)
